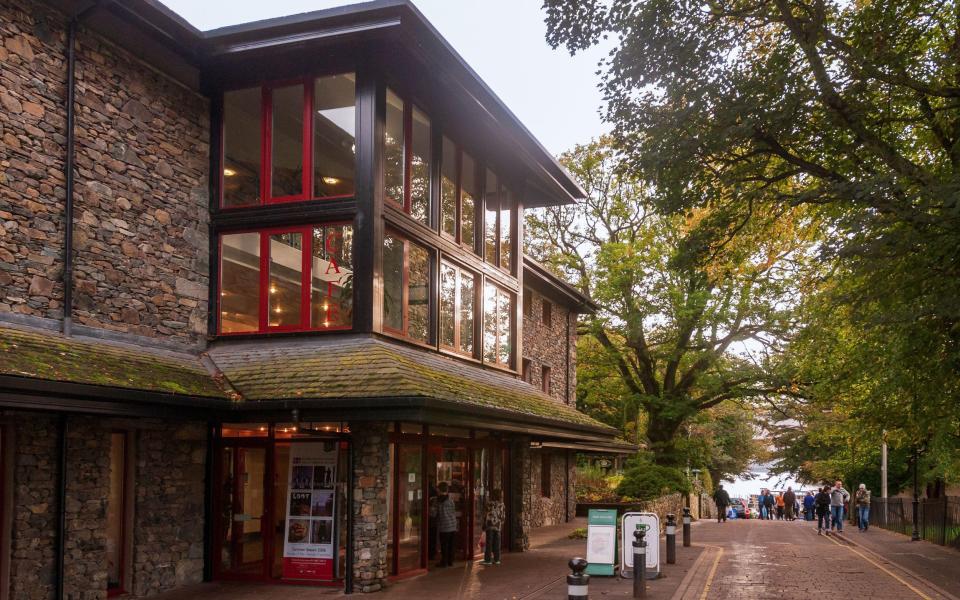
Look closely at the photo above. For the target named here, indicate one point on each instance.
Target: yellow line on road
(882, 568)
(713, 571)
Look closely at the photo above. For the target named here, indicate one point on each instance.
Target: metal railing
(938, 519)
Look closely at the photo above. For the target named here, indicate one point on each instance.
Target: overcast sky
(554, 94)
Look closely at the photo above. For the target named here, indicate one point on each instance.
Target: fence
(938, 519)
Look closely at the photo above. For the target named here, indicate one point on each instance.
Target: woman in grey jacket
(838, 498)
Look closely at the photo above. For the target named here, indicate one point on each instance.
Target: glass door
(243, 511)
(450, 465)
(409, 522)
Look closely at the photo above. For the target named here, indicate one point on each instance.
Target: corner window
(289, 142)
(458, 292)
(407, 158)
(406, 288)
(287, 279)
(497, 330)
(498, 223)
(458, 189)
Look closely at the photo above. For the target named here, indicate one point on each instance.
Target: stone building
(261, 291)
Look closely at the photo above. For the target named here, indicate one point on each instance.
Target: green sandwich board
(601, 542)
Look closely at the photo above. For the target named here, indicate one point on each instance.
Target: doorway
(242, 485)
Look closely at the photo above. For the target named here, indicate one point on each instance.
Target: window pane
(420, 168)
(392, 282)
(504, 347)
(506, 211)
(240, 283)
(469, 191)
(489, 323)
(448, 304)
(286, 175)
(393, 149)
(491, 206)
(448, 189)
(241, 147)
(334, 125)
(331, 292)
(418, 292)
(410, 492)
(467, 306)
(286, 271)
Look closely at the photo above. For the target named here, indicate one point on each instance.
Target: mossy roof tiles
(369, 367)
(47, 355)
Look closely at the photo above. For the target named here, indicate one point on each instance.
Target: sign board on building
(601, 541)
(309, 536)
(629, 524)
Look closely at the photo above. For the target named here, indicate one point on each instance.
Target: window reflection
(239, 282)
(393, 143)
(448, 305)
(241, 147)
(334, 125)
(286, 174)
(506, 221)
(420, 167)
(467, 308)
(418, 286)
(497, 335)
(406, 288)
(331, 294)
(469, 191)
(284, 287)
(491, 210)
(448, 189)
(393, 283)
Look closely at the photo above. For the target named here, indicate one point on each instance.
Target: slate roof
(371, 367)
(48, 355)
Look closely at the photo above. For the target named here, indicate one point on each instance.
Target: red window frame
(306, 232)
(458, 200)
(406, 205)
(404, 332)
(457, 304)
(266, 146)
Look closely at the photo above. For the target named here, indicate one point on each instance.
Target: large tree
(684, 298)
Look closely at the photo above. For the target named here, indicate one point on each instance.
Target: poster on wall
(308, 545)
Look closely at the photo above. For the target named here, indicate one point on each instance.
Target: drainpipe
(61, 504)
(567, 374)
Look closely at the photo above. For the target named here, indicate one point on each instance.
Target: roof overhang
(540, 278)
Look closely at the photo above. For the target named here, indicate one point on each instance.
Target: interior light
(273, 289)
(326, 323)
(331, 180)
(326, 307)
(229, 172)
(278, 310)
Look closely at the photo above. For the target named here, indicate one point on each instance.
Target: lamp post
(915, 536)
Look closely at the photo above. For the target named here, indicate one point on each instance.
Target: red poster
(308, 548)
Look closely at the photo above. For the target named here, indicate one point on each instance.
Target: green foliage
(580, 533)
(645, 480)
(593, 484)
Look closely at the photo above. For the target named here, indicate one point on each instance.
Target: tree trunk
(662, 436)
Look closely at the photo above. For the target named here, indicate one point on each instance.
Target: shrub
(580, 533)
(645, 480)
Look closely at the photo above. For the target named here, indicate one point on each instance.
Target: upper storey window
(498, 223)
(289, 142)
(458, 194)
(407, 158)
(407, 268)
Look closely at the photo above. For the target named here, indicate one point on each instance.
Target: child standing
(493, 516)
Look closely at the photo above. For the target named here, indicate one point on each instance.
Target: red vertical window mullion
(266, 143)
(306, 279)
(407, 153)
(264, 280)
(308, 139)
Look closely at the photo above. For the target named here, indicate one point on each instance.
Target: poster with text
(309, 547)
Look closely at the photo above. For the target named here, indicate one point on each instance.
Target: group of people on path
(828, 505)
(443, 512)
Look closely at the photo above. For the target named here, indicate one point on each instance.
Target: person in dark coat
(821, 504)
(722, 499)
(789, 504)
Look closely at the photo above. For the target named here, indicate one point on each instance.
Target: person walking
(722, 500)
(446, 524)
(762, 504)
(808, 502)
(838, 498)
(862, 498)
(821, 504)
(780, 506)
(769, 504)
(789, 504)
(493, 516)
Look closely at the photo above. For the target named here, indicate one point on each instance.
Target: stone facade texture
(550, 510)
(371, 470)
(546, 345)
(141, 198)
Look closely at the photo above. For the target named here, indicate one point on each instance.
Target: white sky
(554, 95)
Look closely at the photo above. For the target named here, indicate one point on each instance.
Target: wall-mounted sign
(629, 524)
(309, 544)
(601, 541)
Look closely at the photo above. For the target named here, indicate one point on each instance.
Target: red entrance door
(242, 545)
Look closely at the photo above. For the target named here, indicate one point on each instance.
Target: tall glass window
(497, 330)
(241, 147)
(491, 211)
(469, 191)
(334, 136)
(420, 166)
(394, 151)
(448, 305)
(331, 289)
(406, 288)
(286, 148)
(286, 280)
(407, 158)
(448, 189)
(506, 224)
(457, 305)
(240, 283)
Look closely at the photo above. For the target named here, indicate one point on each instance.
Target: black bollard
(640, 562)
(577, 580)
(686, 527)
(671, 539)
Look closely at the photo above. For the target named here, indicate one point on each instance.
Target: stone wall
(141, 203)
(522, 492)
(371, 471)
(169, 506)
(546, 510)
(546, 345)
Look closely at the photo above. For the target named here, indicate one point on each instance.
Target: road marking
(713, 571)
(881, 567)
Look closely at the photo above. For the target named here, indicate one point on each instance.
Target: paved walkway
(731, 561)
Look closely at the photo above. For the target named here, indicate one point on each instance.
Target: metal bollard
(686, 527)
(577, 580)
(671, 539)
(640, 563)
